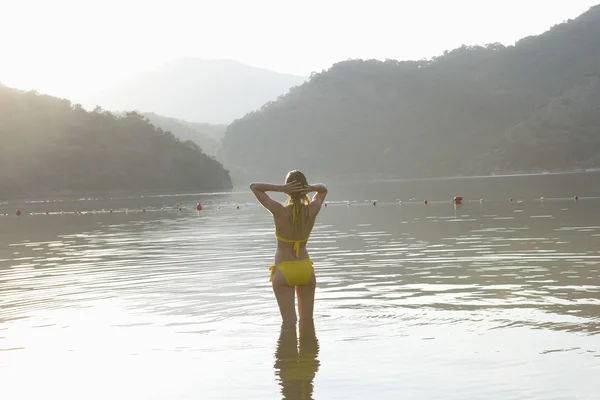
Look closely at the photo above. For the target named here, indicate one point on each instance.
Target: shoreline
(114, 194)
(362, 179)
(238, 188)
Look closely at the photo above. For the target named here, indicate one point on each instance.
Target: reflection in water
(296, 365)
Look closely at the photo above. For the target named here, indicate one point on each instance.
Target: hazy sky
(66, 47)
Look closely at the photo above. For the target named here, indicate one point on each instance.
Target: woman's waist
(283, 254)
(291, 245)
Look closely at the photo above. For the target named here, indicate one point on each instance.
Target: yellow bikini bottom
(296, 273)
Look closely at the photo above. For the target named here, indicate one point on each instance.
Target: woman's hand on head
(294, 187)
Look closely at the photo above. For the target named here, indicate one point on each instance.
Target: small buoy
(426, 202)
(374, 203)
(18, 212)
(237, 207)
(198, 207)
(510, 199)
(458, 200)
(179, 208)
(110, 211)
(541, 199)
(47, 213)
(481, 200)
(325, 204)
(143, 210)
(576, 198)
(400, 202)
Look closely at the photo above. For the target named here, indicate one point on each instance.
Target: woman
(294, 221)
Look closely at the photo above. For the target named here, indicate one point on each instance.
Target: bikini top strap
(296, 243)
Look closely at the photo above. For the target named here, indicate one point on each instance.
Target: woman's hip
(294, 273)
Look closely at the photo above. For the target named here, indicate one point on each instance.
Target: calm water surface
(492, 300)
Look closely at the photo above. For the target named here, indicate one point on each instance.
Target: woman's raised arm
(260, 192)
(319, 197)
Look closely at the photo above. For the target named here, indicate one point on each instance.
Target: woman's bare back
(285, 228)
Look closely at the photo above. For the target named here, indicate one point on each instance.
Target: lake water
(486, 300)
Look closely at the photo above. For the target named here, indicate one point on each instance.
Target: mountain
(562, 135)
(213, 91)
(52, 147)
(207, 136)
(451, 115)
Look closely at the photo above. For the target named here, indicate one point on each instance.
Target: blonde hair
(298, 201)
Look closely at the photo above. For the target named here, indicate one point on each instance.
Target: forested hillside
(50, 146)
(475, 109)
